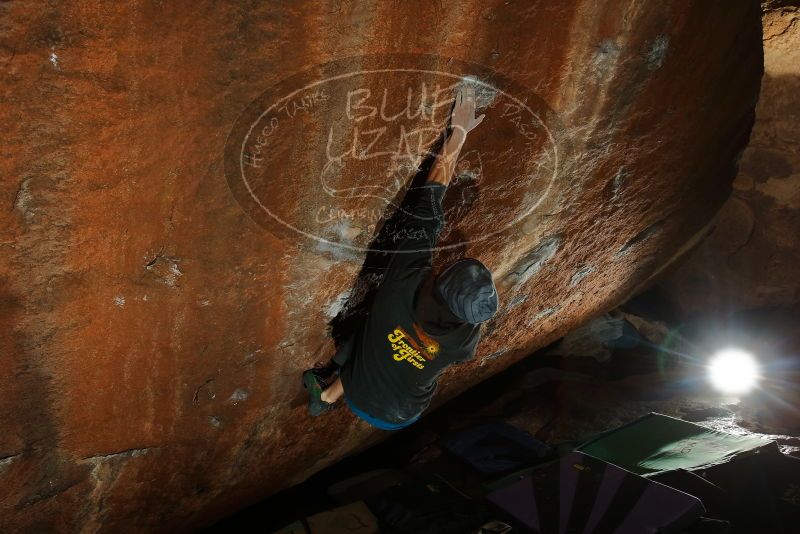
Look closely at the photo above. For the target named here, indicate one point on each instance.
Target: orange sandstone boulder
(190, 190)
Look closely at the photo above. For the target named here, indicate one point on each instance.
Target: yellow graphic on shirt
(402, 345)
(408, 349)
(430, 345)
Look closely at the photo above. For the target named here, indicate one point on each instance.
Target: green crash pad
(657, 443)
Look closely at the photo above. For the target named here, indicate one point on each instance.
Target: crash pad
(495, 447)
(579, 493)
(656, 443)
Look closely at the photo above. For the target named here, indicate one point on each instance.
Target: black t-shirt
(393, 370)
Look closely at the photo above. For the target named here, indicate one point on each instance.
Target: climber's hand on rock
(463, 119)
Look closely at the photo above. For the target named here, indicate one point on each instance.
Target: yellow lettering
(396, 336)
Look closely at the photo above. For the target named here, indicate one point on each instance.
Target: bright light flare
(733, 371)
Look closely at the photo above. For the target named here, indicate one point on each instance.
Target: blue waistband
(377, 423)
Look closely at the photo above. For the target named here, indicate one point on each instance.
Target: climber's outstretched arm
(462, 121)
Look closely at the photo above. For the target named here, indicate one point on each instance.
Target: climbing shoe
(315, 384)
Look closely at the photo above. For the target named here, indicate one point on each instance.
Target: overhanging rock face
(172, 255)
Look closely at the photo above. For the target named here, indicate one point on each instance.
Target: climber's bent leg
(337, 361)
(322, 396)
(344, 351)
(333, 392)
(334, 366)
(316, 387)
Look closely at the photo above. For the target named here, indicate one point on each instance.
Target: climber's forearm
(445, 165)
(462, 121)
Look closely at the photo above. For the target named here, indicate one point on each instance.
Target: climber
(419, 323)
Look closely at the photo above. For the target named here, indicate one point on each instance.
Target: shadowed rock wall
(751, 258)
(153, 328)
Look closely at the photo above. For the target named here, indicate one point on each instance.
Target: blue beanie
(467, 288)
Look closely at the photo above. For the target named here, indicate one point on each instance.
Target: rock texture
(751, 259)
(153, 330)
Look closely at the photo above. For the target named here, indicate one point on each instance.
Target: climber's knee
(344, 351)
